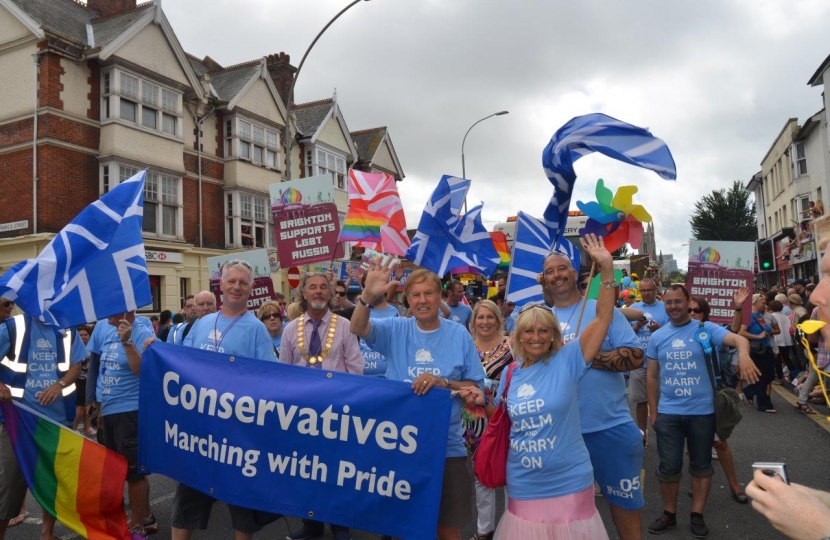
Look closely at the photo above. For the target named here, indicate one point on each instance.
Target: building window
(801, 159)
(249, 214)
(141, 102)
(161, 204)
(328, 163)
(162, 198)
(252, 142)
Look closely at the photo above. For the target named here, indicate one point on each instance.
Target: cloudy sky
(716, 79)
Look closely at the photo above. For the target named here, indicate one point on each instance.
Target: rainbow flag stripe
(76, 480)
(361, 225)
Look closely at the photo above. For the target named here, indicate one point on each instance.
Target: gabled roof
(231, 80)
(60, 17)
(230, 83)
(310, 116)
(368, 141)
(313, 116)
(817, 77)
(106, 30)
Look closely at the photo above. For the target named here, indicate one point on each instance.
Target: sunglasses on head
(270, 316)
(236, 262)
(695, 310)
(528, 307)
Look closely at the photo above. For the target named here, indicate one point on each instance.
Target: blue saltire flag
(591, 133)
(445, 240)
(93, 268)
(531, 244)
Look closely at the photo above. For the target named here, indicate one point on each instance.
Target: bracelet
(609, 284)
(363, 302)
(486, 401)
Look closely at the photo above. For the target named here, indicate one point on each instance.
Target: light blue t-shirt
(117, 386)
(448, 351)
(461, 314)
(245, 335)
(176, 333)
(602, 400)
(376, 363)
(277, 341)
(654, 312)
(685, 387)
(547, 456)
(41, 369)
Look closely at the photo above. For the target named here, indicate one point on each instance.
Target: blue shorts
(617, 458)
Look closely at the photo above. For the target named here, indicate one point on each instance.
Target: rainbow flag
(76, 480)
(500, 243)
(375, 218)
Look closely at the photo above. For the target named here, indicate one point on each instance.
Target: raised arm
(377, 279)
(738, 300)
(591, 339)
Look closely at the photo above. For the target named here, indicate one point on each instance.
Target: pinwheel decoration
(614, 216)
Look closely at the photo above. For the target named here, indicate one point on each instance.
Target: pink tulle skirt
(570, 517)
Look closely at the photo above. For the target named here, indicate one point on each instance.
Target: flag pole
(582, 309)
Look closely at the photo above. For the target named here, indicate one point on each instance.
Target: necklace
(218, 342)
(485, 351)
(329, 340)
(568, 323)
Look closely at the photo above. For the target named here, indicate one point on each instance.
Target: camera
(773, 469)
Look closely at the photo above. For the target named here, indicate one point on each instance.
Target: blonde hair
(420, 275)
(293, 310)
(487, 304)
(529, 318)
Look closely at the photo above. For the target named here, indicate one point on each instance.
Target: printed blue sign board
(356, 451)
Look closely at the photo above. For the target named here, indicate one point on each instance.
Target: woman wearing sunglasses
(270, 313)
(699, 310)
(549, 474)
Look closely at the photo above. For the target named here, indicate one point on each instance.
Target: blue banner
(344, 449)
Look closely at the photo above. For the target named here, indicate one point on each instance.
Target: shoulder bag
(490, 464)
(727, 404)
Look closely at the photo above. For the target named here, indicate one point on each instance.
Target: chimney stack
(282, 73)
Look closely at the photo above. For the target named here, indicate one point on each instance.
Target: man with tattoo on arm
(613, 439)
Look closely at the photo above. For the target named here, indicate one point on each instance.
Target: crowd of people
(584, 383)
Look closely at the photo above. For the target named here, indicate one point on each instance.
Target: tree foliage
(725, 215)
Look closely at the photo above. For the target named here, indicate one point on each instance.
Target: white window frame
(800, 159)
(112, 173)
(245, 208)
(122, 89)
(321, 160)
(253, 142)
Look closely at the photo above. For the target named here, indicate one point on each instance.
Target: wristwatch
(364, 303)
(63, 384)
(128, 343)
(448, 382)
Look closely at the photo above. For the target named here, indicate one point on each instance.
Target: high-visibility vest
(13, 371)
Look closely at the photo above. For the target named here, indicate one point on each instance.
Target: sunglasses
(695, 310)
(340, 293)
(236, 262)
(270, 316)
(528, 307)
(8, 303)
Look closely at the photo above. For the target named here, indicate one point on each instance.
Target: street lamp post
(288, 140)
(463, 164)
(716, 233)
